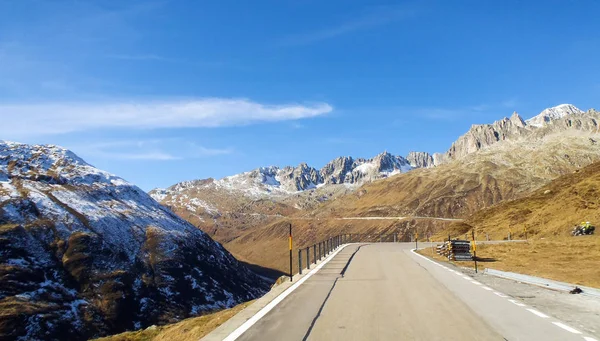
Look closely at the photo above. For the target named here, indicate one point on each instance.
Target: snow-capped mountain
(554, 113)
(84, 253)
(273, 181)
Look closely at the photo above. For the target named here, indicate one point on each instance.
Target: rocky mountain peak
(553, 113)
(517, 120)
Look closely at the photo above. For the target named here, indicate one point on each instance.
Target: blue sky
(164, 91)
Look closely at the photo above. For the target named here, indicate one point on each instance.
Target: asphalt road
(385, 292)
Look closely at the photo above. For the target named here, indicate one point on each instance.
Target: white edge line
(261, 313)
(567, 328)
(540, 314)
(517, 303)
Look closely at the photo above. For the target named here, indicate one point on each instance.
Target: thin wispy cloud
(367, 20)
(150, 150)
(58, 118)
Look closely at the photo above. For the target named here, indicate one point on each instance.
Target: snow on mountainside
(275, 181)
(84, 253)
(226, 207)
(554, 113)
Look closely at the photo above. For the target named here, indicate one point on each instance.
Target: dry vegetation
(551, 211)
(191, 329)
(567, 259)
(267, 246)
(547, 216)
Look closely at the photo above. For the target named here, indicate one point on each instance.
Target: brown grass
(551, 211)
(191, 329)
(267, 246)
(567, 259)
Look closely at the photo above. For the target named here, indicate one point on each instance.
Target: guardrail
(323, 248)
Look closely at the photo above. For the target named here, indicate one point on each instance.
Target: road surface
(385, 292)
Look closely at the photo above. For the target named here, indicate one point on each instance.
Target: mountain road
(385, 291)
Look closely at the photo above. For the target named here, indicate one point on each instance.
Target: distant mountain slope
(552, 210)
(456, 189)
(226, 207)
(84, 253)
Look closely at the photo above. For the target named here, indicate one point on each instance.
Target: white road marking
(540, 314)
(517, 303)
(244, 327)
(567, 328)
(487, 288)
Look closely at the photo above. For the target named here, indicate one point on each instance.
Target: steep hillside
(84, 253)
(552, 210)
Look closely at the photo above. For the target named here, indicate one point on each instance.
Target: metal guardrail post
(320, 252)
(300, 261)
(315, 253)
(307, 257)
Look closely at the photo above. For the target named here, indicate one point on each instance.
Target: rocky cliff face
(83, 253)
(420, 160)
(299, 178)
(560, 118)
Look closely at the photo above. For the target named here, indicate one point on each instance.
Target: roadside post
(416, 241)
(300, 261)
(474, 250)
(320, 252)
(291, 275)
(308, 257)
(315, 253)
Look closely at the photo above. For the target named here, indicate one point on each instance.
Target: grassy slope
(552, 210)
(549, 215)
(268, 245)
(191, 329)
(567, 259)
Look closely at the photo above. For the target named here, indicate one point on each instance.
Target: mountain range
(489, 164)
(227, 207)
